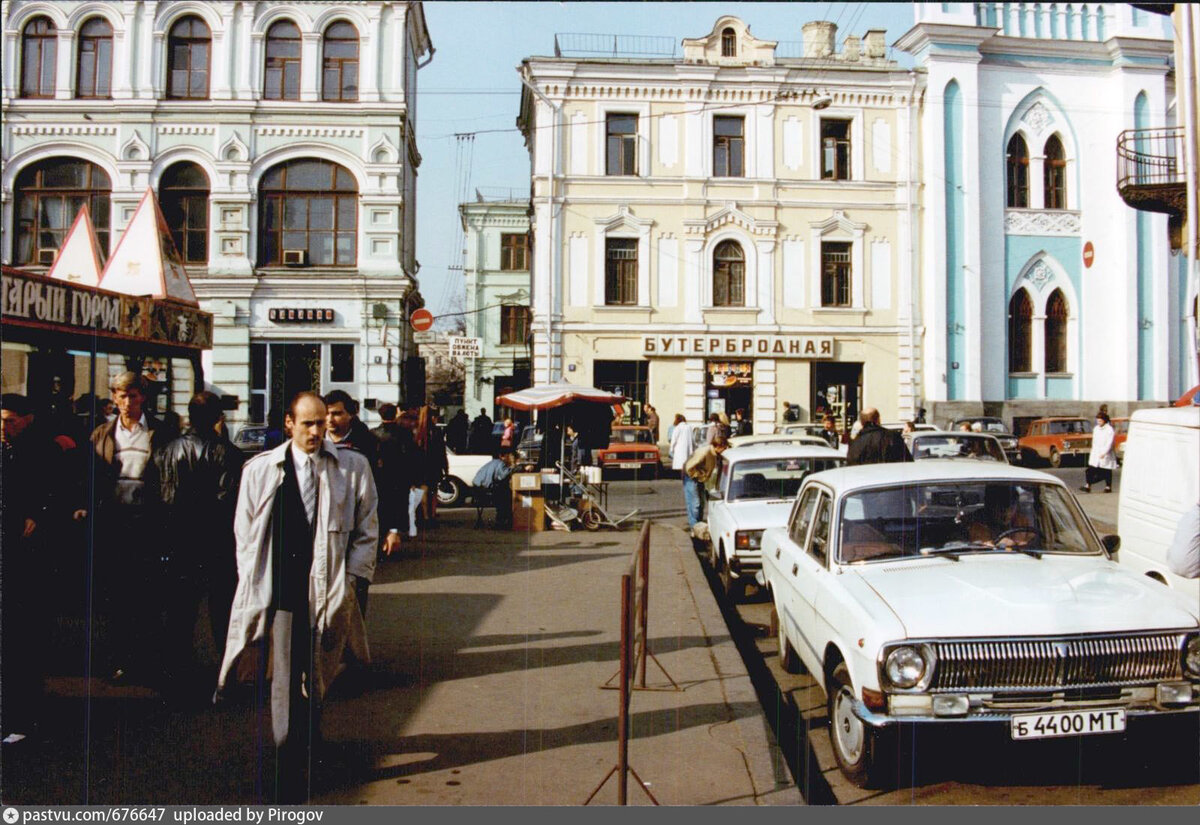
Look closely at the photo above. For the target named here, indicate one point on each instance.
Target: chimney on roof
(876, 43)
(851, 48)
(819, 37)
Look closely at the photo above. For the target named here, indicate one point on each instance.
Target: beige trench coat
(346, 535)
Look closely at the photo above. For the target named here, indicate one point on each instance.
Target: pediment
(234, 149)
(748, 50)
(730, 215)
(624, 219)
(838, 223)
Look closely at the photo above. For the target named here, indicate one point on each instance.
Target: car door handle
(795, 569)
(776, 552)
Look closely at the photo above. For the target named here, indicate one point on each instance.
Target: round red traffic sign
(421, 320)
(1089, 254)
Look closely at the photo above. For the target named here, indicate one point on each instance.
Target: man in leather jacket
(198, 476)
(875, 444)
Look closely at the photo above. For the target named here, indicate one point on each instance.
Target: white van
(1160, 479)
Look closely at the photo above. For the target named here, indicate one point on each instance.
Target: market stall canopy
(549, 396)
(78, 261)
(146, 261)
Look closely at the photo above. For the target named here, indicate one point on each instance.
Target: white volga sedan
(954, 591)
(755, 486)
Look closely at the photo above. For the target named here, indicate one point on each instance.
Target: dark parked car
(251, 438)
(992, 426)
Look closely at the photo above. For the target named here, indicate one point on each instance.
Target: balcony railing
(1150, 169)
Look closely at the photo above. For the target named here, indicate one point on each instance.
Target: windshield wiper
(952, 550)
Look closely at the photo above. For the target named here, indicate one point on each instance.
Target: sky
(471, 85)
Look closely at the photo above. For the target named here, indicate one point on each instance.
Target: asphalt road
(1156, 764)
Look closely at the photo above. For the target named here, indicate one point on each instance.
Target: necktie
(308, 488)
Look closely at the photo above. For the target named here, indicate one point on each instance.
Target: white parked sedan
(796, 438)
(754, 489)
(455, 487)
(953, 591)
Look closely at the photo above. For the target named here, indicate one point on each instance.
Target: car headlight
(1191, 656)
(905, 667)
(747, 539)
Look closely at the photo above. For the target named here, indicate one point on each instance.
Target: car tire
(734, 589)
(861, 750)
(1055, 458)
(788, 659)
(451, 492)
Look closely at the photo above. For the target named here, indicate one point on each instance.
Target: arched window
(1018, 173)
(281, 81)
(183, 195)
(48, 196)
(93, 76)
(339, 64)
(729, 275)
(1056, 332)
(728, 43)
(1055, 174)
(39, 54)
(1020, 332)
(308, 215)
(188, 57)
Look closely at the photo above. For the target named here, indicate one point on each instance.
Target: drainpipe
(555, 371)
(1187, 38)
(913, 252)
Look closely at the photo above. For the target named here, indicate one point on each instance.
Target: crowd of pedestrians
(282, 546)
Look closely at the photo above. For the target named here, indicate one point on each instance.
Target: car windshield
(774, 477)
(1074, 427)
(631, 437)
(982, 447)
(990, 425)
(951, 518)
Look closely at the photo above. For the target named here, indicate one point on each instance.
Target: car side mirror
(1112, 543)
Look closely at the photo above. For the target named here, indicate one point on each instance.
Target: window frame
(620, 273)
(1016, 173)
(283, 195)
(515, 323)
(284, 63)
(190, 203)
(728, 42)
(174, 39)
(724, 267)
(97, 62)
(843, 279)
(93, 195)
(46, 41)
(729, 143)
(1056, 338)
(340, 63)
(626, 144)
(339, 350)
(798, 518)
(841, 146)
(509, 249)
(1054, 175)
(1020, 333)
(824, 506)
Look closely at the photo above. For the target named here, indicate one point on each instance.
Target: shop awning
(549, 396)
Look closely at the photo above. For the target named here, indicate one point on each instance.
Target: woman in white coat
(1103, 458)
(681, 442)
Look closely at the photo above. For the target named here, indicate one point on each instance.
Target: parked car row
(961, 589)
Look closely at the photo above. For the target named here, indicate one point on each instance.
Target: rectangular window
(620, 271)
(818, 542)
(513, 249)
(622, 145)
(729, 147)
(835, 274)
(341, 363)
(514, 324)
(258, 383)
(835, 149)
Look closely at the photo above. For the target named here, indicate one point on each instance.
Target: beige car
(798, 439)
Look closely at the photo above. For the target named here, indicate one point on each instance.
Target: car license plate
(628, 465)
(1068, 723)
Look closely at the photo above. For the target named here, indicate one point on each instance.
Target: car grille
(1041, 664)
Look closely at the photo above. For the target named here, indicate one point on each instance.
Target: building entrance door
(837, 389)
(730, 387)
(294, 368)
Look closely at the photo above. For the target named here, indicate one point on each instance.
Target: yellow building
(727, 228)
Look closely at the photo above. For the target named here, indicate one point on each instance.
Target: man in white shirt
(126, 558)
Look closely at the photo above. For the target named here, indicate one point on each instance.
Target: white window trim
(1040, 295)
(749, 141)
(623, 224)
(839, 229)
(857, 149)
(750, 284)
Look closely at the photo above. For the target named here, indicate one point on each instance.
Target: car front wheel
(858, 747)
(450, 492)
(1055, 458)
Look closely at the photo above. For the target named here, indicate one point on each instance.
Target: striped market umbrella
(549, 396)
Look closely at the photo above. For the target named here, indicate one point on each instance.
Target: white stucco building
(1043, 292)
(280, 141)
(729, 227)
(496, 273)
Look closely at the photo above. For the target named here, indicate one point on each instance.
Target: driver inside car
(1001, 515)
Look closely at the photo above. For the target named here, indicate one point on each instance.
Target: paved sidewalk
(489, 649)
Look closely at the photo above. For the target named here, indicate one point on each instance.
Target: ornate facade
(280, 141)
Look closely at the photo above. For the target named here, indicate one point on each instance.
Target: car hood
(1017, 595)
(759, 514)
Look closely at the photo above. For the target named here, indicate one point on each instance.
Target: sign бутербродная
(743, 346)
